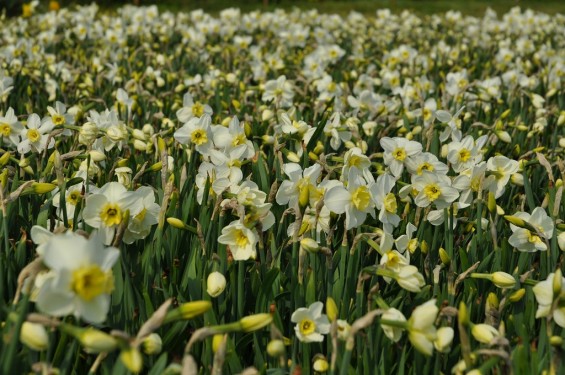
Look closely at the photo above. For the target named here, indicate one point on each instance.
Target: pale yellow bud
(503, 280)
(174, 222)
(152, 344)
(43, 187)
(321, 365)
(255, 322)
(557, 279)
(267, 115)
(95, 341)
(275, 348)
(310, 245)
(484, 333)
(34, 336)
(132, 359)
(217, 342)
(561, 241)
(517, 295)
(293, 157)
(331, 309)
(215, 284)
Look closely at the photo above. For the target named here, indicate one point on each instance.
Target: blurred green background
(470, 7)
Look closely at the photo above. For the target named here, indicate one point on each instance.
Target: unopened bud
(275, 348)
(503, 280)
(255, 322)
(557, 281)
(445, 259)
(310, 245)
(517, 295)
(34, 336)
(132, 359)
(331, 309)
(152, 344)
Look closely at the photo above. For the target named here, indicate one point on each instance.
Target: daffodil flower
(311, 324)
(80, 279)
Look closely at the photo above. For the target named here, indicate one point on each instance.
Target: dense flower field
(285, 192)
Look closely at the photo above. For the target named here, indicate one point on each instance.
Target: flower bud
(517, 295)
(188, 310)
(152, 344)
(424, 247)
(445, 259)
(124, 176)
(331, 309)
(491, 203)
(556, 340)
(444, 338)
(174, 222)
(215, 284)
(463, 315)
(94, 341)
(320, 364)
(503, 280)
(561, 241)
(293, 157)
(310, 245)
(275, 348)
(557, 281)
(132, 359)
(217, 342)
(255, 322)
(43, 187)
(88, 133)
(484, 333)
(34, 336)
(267, 115)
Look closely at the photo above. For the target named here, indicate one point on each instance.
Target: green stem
(240, 287)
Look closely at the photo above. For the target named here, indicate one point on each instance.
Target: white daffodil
(10, 127)
(385, 200)
(234, 137)
(545, 292)
(466, 153)
(433, 188)
(280, 91)
(421, 330)
(81, 278)
(452, 122)
(59, 117)
(396, 152)
(241, 240)
(191, 109)
(105, 210)
(425, 161)
(139, 225)
(471, 181)
(338, 132)
(393, 333)
(356, 165)
(311, 324)
(356, 202)
(35, 136)
(525, 240)
(197, 132)
(406, 242)
(296, 190)
(501, 169)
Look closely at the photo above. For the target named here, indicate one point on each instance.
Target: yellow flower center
(393, 259)
(199, 137)
(5, 129)
(412, 245)
(240, 139)
(111, 214)
(90, 281)
(307, 327)
(141, 216)
(58, 120)
(74, 197)
(432, 191)
(399, 154)
(390, 203)
(241, 239)
(427, 114)
(197, 109)
(464, 154)
(361, 198)
(425, 166)
(355, 161)
(533, 238)
(475, 183)
(33, 135)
